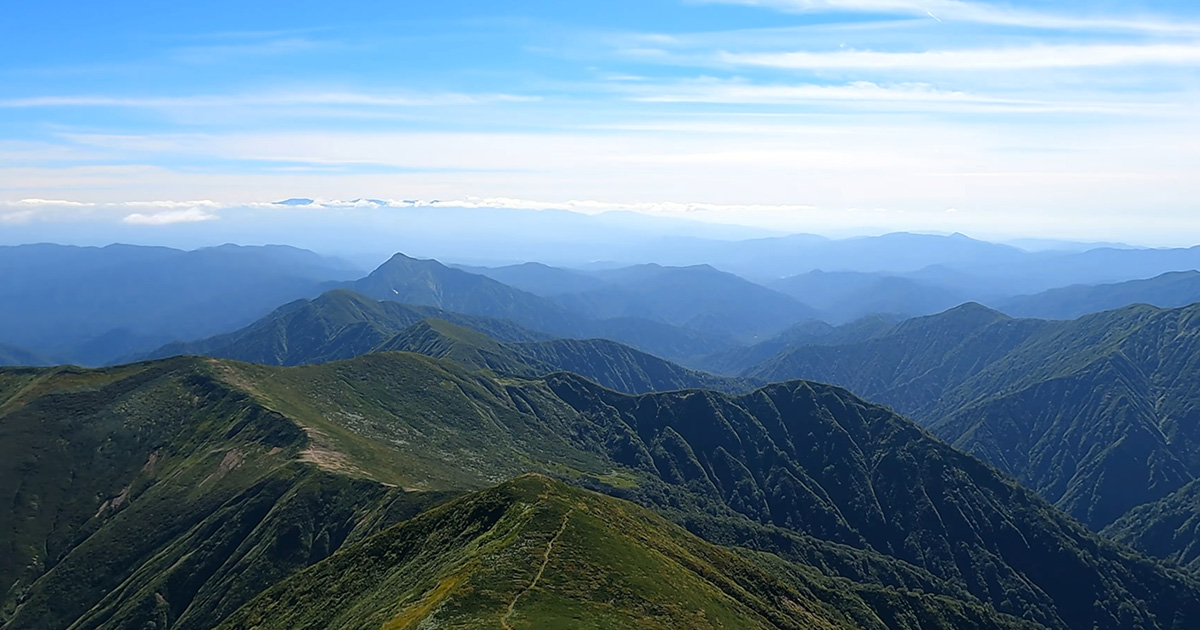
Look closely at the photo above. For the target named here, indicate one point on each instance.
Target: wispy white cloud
(170, 217)
(171, 205)
(283, 99)
(868, 95)
(583, 206)
(52, 202)
(977, 12)
(1016, 58)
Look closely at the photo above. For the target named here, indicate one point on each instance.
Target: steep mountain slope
(606, 362)
(1097, 414)
(95, 305)
(430, 283)
(818, 481)
(622, 368)
(868, 496)
(338, 324)
(157, 492)
(1168, 290)
(699, 297)
(341, 324)
(469, 348)
(534, 553)
(1168, 528)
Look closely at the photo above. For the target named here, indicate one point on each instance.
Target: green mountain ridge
(534, 553)
(1168, 528)
(608, 363)
(1097, 414)
(430, 283)
(339, 324)
(1169, 290)
(831, 491)
(342, 324)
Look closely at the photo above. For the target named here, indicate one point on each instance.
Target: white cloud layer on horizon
(838, 123)
(170, 217)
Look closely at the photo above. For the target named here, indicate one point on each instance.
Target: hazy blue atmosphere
(627, 315)
(836, 117)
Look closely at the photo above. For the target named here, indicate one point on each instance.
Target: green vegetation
(156, 493)
(534, 553)
(339, 324)
(1097, 414)
(430, 283)
(342, 324)
(176, 491)
(1168, 528)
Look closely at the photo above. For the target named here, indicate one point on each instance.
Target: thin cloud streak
(267, 100)
(867, 95)
(1024, 58)
(976, 12)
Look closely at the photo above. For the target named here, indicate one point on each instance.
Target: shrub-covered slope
(196, 483)
(1168, 528)
(1098, 414)
(342, 324)
(339, 324)
(534, 553)
(159, 494)
(807, 471)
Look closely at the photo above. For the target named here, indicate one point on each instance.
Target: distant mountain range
(846, 296)
(198, 493)
(1177, 288)
(12, 355)
(394, 450)
(1096, 414)
(96, 305)
(103, 305)
(342, 324)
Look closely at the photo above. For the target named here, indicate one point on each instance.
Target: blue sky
(1059, 119)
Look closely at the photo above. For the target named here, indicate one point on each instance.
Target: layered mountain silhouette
(1097, 414)
(12, 355)
(192, 492)
(698, 297)
(342, 324)
(430, 283)
(338, 324)
(1174, 289)
(847, 296)
(1168, 528)
(95, 305)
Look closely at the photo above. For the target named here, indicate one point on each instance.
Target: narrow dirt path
(542, 569)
